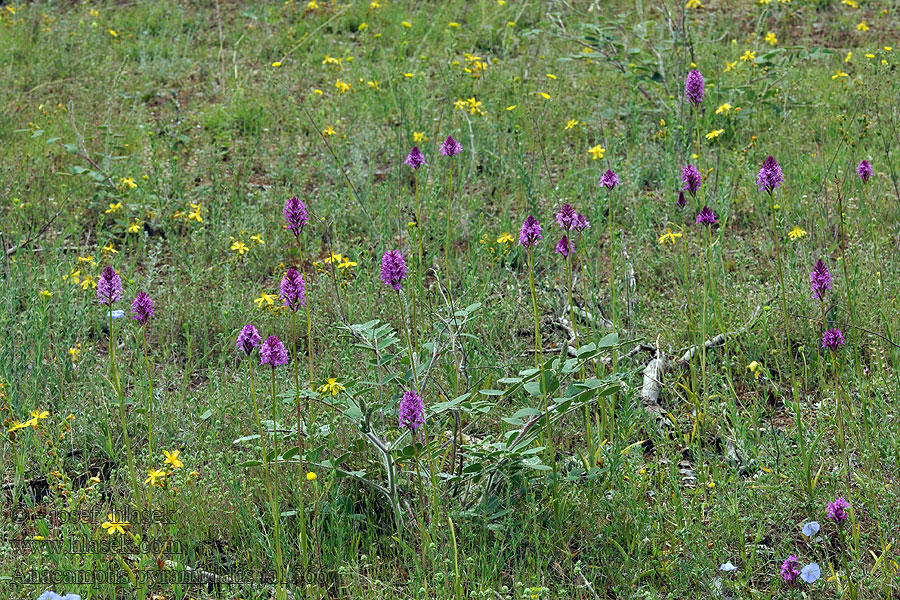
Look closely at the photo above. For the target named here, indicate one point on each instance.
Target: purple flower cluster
(450, 147)
(833, 339)
(681, 202)
(580, 223)
(109, 287)
(790, 569)
(820, 280)
(414, 159)
(770, 176)
(690, 177)
(706, 217)
(272, 352)
(412, 411)
(565, 217)
(564, 247)
(609, 180)
(864, 170)
(393, 269)
(293, 290)
(248, 339)
(530, 233)
(295, 215)
(142, 308)
(837, 510)
(694, 87)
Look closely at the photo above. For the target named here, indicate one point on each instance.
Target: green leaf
(250, 463)
(206, 414)
(73, 150)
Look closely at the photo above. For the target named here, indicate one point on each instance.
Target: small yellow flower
(869, 55)
(310, 476)
(693, 4)
(346, 263)
(328, 131)
(409, 75)
(135, 227)
(668, 236)
(128, 182)
(848, 57)
(239, 247)
(265, 300)
(505, 238)
(112, 32)
(453, 25)
(36, 417)
(154, 475)
(551, 76)
(888, 48)
(755, 368)
(571, 123)
(748, 55)
(46, 293)
(16, 425)
(114, 207)
(511, 107)
(342, 86)
(723, 108)
(419, 136)
(545, 95)
(796, 233)
(406, 24)
(276, 64)
(850, 3)
(257, 240)
(113, 525)
(714, 134)
(362, 27)
(597, 152)
(74, 352)
(863, 26)
(331, 386)
(838, 74)
(373, 83)
(172, 459)
(109, 249)
(194, 213)
(729, 66)
(771, 39)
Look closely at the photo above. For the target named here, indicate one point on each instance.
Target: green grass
(183, 101)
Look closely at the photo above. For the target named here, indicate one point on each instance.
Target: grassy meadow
(674, 401)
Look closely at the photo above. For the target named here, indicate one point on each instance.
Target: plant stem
(150, 383)
(447, 233)
(117, 383)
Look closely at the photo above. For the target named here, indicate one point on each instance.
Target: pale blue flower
(810, 529)
(728, 567)
(810, 573)
(48, 595)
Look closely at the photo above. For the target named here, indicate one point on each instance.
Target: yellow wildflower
(265, 300)
(135, 227)
(419, 136)
(113, 525)
(406, 24)
(257, 239)
(172, 459)
(46, 293)
(796, 233)
(310, 476)
(693, 4)
(597, 152)
(668, 236)
(755, 368)
(505, 238)
(154, 475)
(771, 39)
(342, 86)
(128, 182)
(328, 131)
(729, 66)
(114, 207)
(331, 386)
(723, 108)
(714, 134)
(863, 26)
(74, 352)
(748, 55)
(571, 123)
(276, 64)
(838, 73)
(239, 247)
